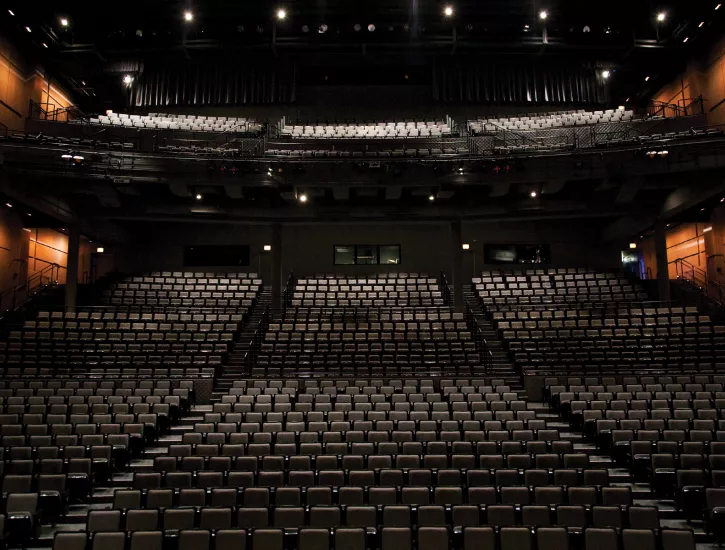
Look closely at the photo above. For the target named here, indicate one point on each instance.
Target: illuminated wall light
(466, 246)
(705, 230)
(632, 245)
(188, 16)
(100, 250)
(267, 247)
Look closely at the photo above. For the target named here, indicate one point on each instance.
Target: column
(71, 273)
(663, 269)
(455, 281)
(278, 281)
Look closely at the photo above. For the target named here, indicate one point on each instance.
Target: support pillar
(456, 279)
(277, 278)
(71, 272)
(663, 269)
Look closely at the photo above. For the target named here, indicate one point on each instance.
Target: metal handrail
(289, 290)
(446, 289)
(699, 278)
(481, 342)
(18, 295)
(255, 347)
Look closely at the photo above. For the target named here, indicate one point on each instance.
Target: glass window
(389, 254)
(344, 255)
(366, 254)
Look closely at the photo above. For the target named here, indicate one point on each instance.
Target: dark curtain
(517, 83)
(212, 83)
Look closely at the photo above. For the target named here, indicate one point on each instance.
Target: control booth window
(366, 254)
(516, 254)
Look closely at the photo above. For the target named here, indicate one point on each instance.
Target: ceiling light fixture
(686, 39)
(322, 29)
(28, 29)
(605, 74)
(267, 247)
(8, 205)
(100, 250)
(661, 16)
(371, 28)
(718, 7)
(448, 11)
(127, 79)
(466, 246)
(534, 194)
(11, 12)
(281, 14)
(646, 78)
(199, 196)
(431, 198)
(302, 198)
(63, 22)
(632, 245)
(702, 24)
(543, 14)
(45, 45)
(188, 16)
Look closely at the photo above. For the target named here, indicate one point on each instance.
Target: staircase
(501, 367)
(235, 369)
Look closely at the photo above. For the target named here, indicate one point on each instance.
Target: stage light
(322, 29)
(63, 22)
(646, 78)
(127, 79)
(188, 16)
(705, 230)
(431, 198)
(11, 12)
(371, 28)
(448, 11)
(100, 250)
(543, 14)
(28, 29)
(466, 246)
(686, 39)
(702, 23)
(605, 74)
(632, 245)
(661, 16)
(267, 247)
(281, 14)
(302, 198)
(199, 196)
(534, 194)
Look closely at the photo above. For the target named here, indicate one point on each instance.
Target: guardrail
(698, 278)
(481, 342)
(14, 297)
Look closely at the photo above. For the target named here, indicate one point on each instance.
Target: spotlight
(28, 29)
(302, 198)
(371, 28)
(267, 247)
(646, 78)
(448, 11)
(632, 245)
(702, 23)
(8, 205)
(11, 12)
(605, 74)
(661, 16)
(188, 16)
(45, 45)
(543, 14)
(63, 22)
(281, 14)
(466, 246)
(199, 196)
(533, 194)
(431, 198)
(127, 79)
(322, 29)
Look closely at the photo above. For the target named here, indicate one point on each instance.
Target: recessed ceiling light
(431, 198)
(533, 194)
(63, 22)
(448, 11)
(661, 16)
(281, 14)
(127, 79)
(188, 16)
(199, 196)
(605, 74)
(302, 198)
(543, 14)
